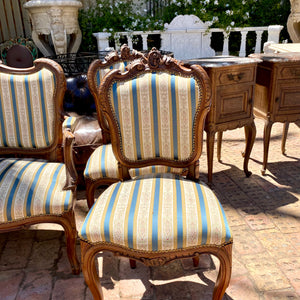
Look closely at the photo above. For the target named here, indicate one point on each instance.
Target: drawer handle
(235, 77)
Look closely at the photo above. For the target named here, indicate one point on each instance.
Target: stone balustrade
(188, 37)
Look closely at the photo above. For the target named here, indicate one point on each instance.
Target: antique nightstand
(277, 93)
(233, 83)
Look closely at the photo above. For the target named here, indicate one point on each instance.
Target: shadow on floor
(256, 194)
(188, 282)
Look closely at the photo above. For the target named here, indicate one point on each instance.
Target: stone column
(102, 40)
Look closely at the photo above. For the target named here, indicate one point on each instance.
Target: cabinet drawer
(236, 75)
(233, 104)
(290, 71)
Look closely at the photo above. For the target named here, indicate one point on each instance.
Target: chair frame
(111, 59)
(150, 258)
(60, 150)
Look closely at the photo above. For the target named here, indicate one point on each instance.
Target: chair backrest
(98, 69)
(18, 56)
(31, 102)
(156, 112)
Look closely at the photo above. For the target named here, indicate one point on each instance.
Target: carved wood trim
(156, 62)
(89, 252)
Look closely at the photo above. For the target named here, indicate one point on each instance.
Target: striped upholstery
(155, 114)
(26, 110)
(70, 123)
(103, 164)
(121, 65)
(157, 212)
(32, 188)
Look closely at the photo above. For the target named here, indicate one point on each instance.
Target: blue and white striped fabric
(70, 123)
(121, 65)
(157, 212)
(32, 188)
(103, 164)
(155, 113)
(26, 110)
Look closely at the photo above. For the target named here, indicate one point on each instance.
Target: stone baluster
(129, 41)
(145, 43)
(273, 33)
(243, 43)
(258, 41)
(102, 40)
(117, 41)
(226, 44)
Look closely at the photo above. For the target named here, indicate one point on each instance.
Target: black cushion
(78, 97)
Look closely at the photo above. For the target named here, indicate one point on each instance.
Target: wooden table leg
(219, 144)
(284, 136)
(210, 153)
(250, 133)
(267, 135)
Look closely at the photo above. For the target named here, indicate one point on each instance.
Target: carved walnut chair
(102, 166)
(156, 113)
(36, 186)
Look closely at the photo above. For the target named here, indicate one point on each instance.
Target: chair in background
(19, 41)
(19, 56)
(36, 186)
(156, 113)
(102, 166)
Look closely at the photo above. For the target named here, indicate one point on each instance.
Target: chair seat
(103, 164)
(157, 212)
(30, 187)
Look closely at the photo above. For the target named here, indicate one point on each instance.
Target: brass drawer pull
(235, 77)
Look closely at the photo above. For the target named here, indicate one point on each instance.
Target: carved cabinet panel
(233, 91)
(287, 97)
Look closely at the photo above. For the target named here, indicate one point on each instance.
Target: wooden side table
(277, 94)
(233, 82)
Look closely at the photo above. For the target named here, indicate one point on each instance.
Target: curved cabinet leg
(250, 133)
(210, 153)
(225, 257)
(284, 137)
(267, 135)
(219, 144)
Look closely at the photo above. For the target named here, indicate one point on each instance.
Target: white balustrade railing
(188, 37)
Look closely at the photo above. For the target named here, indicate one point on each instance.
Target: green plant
(114, 16)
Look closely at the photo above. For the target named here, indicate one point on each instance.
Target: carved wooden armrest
(71, 173)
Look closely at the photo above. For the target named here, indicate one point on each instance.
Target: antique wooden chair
(36, 186)
(156, 112)
(102, 166)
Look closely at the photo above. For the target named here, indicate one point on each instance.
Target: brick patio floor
(264, 214)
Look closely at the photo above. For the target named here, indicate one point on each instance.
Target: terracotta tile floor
(264, 214)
